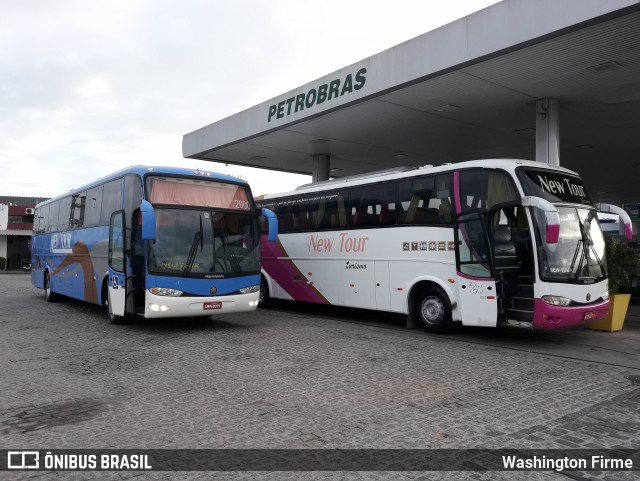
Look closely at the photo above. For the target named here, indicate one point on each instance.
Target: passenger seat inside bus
(426, 216)
(387, 216)
(505, 260)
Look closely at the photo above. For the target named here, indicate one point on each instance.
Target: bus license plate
(211, 305)
(589, 315)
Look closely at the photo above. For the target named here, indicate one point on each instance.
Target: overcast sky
(88, 87)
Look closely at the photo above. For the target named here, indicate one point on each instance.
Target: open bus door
(474, 271)
(116, 288)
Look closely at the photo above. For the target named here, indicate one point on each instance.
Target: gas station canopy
(484, 86)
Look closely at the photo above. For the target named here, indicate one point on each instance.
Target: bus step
(524, 303)
(525, 290)
(521, 315)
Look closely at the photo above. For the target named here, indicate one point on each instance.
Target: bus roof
(148, 169)
(372, 177)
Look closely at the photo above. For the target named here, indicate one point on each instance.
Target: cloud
(89, 87)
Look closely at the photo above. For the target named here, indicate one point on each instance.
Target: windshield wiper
(589, 242)
(228, 248)
(197, 239)
(573, 262)
(583, 254)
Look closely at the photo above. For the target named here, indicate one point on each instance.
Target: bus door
(116, 285)
(474, 277)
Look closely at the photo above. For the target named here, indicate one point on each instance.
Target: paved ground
(299, 378)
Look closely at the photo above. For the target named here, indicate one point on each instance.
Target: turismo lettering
(346, 244)
(557, 187)
(355, 265)
(325, 92)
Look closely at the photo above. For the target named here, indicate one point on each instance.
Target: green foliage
(623, 263)
(3, 263)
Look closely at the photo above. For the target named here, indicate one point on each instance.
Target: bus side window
(387, 215)
(425, 200)
(111, 200)
(44, 219)
(78, 206)
(360, 216)
(54, 211)
(65, 213)
(300, 219)
(285, 220)
(367, 204)
(93, 206)
(484, 188)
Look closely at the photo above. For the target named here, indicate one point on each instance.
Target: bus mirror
(552, 218)
(624, 217)
(148, 221)
(273, 224)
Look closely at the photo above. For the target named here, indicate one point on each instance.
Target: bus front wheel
(263, 298)
(106, 302)
(433, 309)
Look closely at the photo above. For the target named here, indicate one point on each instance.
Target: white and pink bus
(482, 243)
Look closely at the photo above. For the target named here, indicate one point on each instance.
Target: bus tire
(49, 295)
(106, 302)
(433, 310)
(263, 297)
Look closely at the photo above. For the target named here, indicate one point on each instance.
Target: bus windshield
(579, 255)
(204, 243)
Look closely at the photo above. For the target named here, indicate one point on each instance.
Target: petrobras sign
(325, 92)
(61, 243)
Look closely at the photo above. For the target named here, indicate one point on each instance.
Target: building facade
(16, 223)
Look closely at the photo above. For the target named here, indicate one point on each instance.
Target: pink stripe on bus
(281, 269)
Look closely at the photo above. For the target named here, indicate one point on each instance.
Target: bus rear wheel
(49, 295)
(433, 309)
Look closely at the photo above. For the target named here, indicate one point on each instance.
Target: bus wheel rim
(432, 310)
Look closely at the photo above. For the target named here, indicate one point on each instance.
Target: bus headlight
(556, 300)
(605, 296)
(250, 289)
(165, 291)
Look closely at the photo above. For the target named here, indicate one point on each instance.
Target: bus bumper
(546, 316)
(189, 306)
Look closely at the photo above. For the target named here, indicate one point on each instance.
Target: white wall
(4, 217)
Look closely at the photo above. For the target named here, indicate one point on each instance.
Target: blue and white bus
(151, 241)
(481, 243)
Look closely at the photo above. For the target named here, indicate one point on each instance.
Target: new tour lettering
(345, 243)
(561, 187)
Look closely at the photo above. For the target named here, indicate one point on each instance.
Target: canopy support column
(320, 167)
(548, 131)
